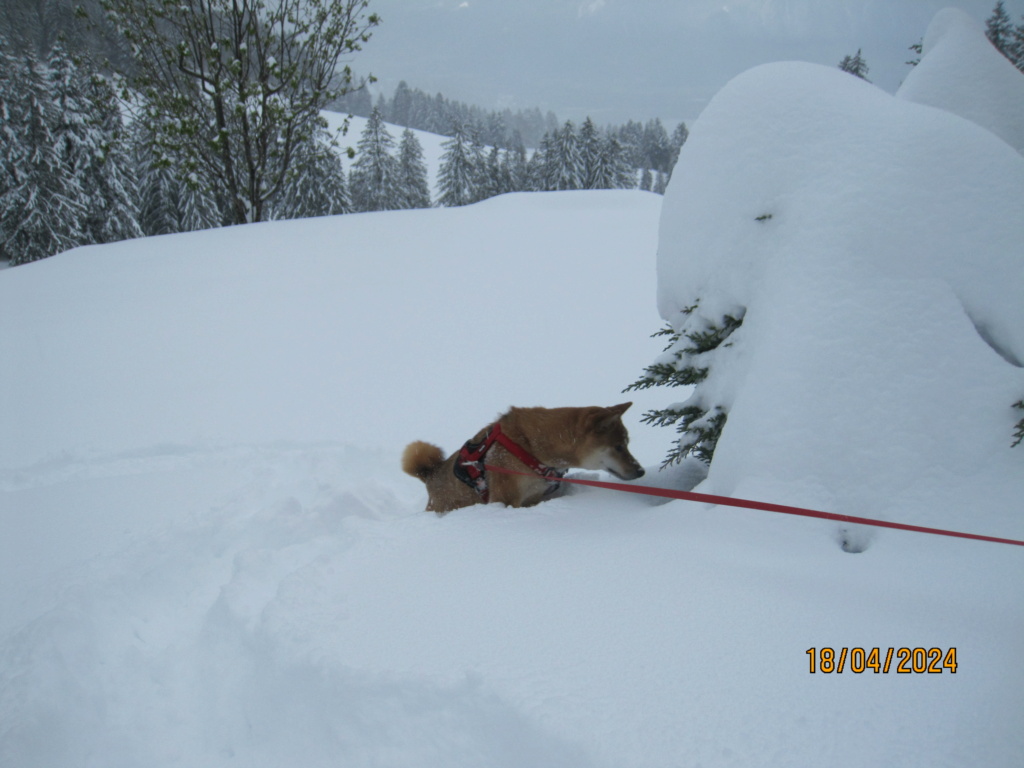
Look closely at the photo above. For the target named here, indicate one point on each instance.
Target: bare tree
(232, 88)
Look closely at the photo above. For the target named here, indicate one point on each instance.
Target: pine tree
(374, 180)
(10, 97)
(567, 170)
(590, 155)
(999, 30)
(656, 147)
(317, 186)
(412, 172)
(40, 211)
(458, 173)
(171, 197)
(112, 210)
(687, 361)
(855, 65)
(515, 167)
(679, 137)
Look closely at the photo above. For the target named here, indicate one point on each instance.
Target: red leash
(707, 498)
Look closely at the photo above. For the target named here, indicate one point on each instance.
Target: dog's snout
(639, 471)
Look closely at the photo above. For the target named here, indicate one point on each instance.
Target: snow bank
(874, 245)
(961, 72)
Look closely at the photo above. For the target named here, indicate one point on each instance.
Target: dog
(544, 442)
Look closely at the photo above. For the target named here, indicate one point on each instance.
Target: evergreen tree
(412, 172)
(656, 147)
(687, 361)
(543, 165)
(10, 139)
(112, 210)
(514, 166)
(458, 173)
(855, 65)
(590, 156)
(646, 180)
(999, 30)
(679, 137)
(374, 181)
(40, 211)
(170, 199)
(567, 160)
(318, 186)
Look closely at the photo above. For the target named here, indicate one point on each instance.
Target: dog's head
(605, 442)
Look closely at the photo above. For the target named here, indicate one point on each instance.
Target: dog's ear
(620, 409)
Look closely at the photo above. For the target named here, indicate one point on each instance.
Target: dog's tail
(422, 459)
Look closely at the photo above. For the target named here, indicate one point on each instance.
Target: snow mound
(874, 246)
(962, 72)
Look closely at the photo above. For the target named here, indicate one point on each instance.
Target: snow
(210, 557)
(962, 73)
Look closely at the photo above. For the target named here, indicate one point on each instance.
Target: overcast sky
(633, 59)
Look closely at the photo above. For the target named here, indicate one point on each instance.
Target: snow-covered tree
(999, 30)
(375, 176)
(412, 172)
(171, 197)
(459, 170)
(566, 170)
(40, 209)
(694, 344)
(855, 65)
(108, 175)
(317, 187)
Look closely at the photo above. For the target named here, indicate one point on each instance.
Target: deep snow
(209, 556)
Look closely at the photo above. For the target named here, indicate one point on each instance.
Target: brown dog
(554, 438)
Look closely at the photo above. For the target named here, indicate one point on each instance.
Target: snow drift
(963, 74)
(874, 247)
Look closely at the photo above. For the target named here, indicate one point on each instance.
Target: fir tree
(112, 210)
(458, 173)
(40, 211)
(374, 181)
(515, 167)
(10, 139)
(591, 156)
(317, 187)
(656, 147)
(567, 160)
(855, 65)
(412, 172)
(999, 30)
(679, 137)
(687, 361)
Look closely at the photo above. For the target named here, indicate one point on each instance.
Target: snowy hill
(209, 555)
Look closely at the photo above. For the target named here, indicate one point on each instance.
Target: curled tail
(422, 459)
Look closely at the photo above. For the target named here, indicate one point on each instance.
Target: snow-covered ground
(209, 556)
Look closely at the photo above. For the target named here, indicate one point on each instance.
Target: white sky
(633, 59)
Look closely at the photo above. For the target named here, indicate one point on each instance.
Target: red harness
(469, 468)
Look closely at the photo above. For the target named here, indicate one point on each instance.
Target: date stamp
(902, 661)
